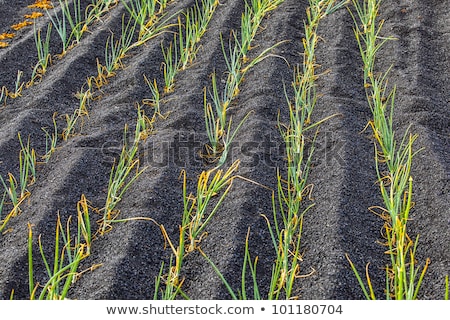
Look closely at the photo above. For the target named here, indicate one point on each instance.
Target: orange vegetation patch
(3, 44)
(33, 15)
(41, 4)
(21, 25)
(5, 35)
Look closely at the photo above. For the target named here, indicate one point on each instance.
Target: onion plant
(447, 287)
(27, 165)
(233, 60)
(187, 39)
(43, 52)
(18, 86)
(12, 192)
(72, 120)
(155, 100)
(149, 16)
(216, 120)
(115, 51)
(68, 253)
(254, 13)
(199, 209)
(17, 190)
(3, 95)
(73, 18)
(159, 24)
(2, 203)
(291, 201)
(214, 124)
(76, 22)
(119, 182)
(60, 24)
(68, 17)
(112, 56)
(126, 37)
(249, 263)
(51, 140)
(181, 52)
(196, 20)
(121, 177)
(143, 12)
(170, 65)
(220, 137)
(393, 161)
(96, 9)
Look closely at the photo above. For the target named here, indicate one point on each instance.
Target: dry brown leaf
(41, 4)
(33, 15)
(5, 35)
(21, 25)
